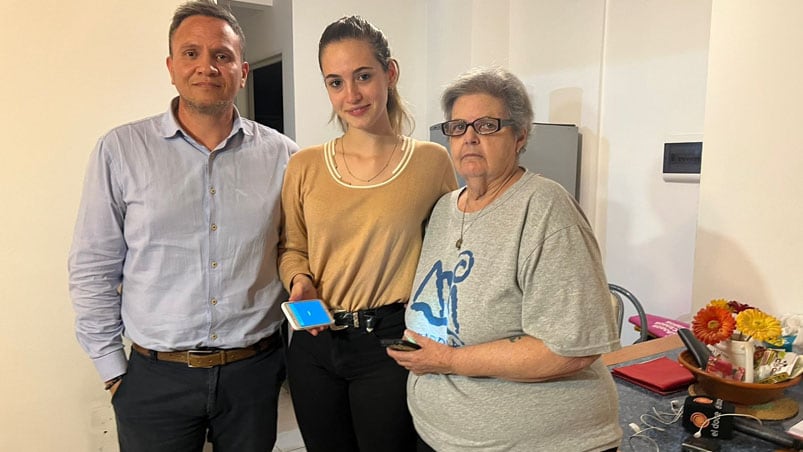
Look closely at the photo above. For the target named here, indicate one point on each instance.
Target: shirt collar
(170, 126)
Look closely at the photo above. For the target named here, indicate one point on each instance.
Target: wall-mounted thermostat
(682, 161)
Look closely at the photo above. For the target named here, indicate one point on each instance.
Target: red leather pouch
(661, 375)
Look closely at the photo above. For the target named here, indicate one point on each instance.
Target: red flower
(737, 307)
(713, 324)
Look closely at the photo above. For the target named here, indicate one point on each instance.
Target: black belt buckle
(367, 317)
(344, 319)
(351, 319)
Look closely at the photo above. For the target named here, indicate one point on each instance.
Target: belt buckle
(336, 327)
(200, 353)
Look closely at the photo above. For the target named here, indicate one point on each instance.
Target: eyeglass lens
(482, 126)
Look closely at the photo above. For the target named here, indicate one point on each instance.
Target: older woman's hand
(431, 358)
(520, 358)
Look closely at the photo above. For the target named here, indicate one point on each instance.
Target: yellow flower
(721, 302)
(759, 325)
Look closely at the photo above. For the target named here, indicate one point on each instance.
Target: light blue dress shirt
(189, 236)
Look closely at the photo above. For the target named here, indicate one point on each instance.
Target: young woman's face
(357, 84)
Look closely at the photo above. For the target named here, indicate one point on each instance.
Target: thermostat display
(682, 161)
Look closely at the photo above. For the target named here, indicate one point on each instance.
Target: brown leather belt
(210, 357)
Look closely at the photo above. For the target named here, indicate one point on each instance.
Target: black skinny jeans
(348, 394)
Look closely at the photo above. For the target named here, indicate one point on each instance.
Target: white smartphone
(306, 314)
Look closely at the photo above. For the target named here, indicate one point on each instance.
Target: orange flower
(713, 324)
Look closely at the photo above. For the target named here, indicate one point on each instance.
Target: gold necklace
(459, 243)
(346, 163)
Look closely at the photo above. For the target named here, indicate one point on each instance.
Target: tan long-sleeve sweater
(360, 244)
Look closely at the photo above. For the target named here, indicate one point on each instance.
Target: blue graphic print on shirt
(440, 314)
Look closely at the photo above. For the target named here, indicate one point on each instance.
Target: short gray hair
(497, 82)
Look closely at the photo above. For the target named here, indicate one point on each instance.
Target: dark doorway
(268, 100)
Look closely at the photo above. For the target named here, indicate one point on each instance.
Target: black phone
(697, 349)
(400, 344)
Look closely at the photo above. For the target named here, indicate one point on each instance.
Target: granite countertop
(635, 401)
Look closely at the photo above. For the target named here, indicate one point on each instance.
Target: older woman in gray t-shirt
(510, 304)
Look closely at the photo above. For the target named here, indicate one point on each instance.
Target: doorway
(266, 103)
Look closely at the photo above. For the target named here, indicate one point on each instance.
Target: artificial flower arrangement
(747, 344)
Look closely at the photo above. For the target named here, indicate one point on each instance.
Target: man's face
(205, 64)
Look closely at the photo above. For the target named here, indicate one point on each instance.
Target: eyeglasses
(483, 126)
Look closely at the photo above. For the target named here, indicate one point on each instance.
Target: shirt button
(214, 264)
(214, 227)
(214, 336)
(213, 301)
(212, 190)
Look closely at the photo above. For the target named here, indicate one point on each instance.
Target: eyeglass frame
(499, 122)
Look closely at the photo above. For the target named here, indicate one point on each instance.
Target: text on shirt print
(445, 284)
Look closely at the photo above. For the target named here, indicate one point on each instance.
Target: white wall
(748, 244)
(654, 82)
(72, 71)
(557, 49)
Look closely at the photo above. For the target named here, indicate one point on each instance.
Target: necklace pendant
(458, 243)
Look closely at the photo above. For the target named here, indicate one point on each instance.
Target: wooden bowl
(735, 391)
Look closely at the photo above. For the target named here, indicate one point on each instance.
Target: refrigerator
(553, 150)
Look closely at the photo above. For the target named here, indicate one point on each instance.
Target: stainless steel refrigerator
(553, 150)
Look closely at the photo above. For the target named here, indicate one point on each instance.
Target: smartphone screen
(307, 314)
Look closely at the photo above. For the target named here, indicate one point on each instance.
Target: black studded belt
(364, 319)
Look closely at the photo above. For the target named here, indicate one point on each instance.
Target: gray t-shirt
(528, 264)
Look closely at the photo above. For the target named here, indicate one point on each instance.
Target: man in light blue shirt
(175, 248)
